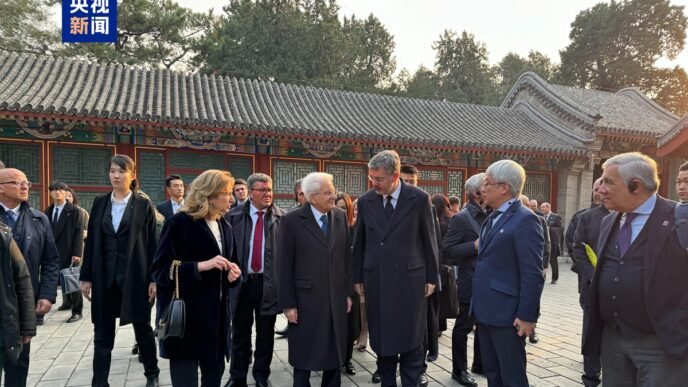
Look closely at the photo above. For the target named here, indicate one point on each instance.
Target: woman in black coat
(115, 272)
(200, 237)
(353, 325)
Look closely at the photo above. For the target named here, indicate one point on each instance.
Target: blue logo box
(89, 21)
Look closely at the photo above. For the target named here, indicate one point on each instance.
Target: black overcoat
(313, 274)
(206, 294)
(394, 260)
(141, 246)
(68, 233)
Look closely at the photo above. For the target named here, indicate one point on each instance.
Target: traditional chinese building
(64, 118)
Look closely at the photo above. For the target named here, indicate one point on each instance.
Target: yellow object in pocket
(592, 257)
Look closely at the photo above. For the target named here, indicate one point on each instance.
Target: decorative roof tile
(71, 87)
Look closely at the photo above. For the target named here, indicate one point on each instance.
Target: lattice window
(284, 203)
(240, 167)
(197, 161)
(537, 187)
(431, 175)
(86, 199)
(81, 166)
(286, 172)
(432, 189)
(25, 157)
(349, 178)
(151, 175)
(456, 181)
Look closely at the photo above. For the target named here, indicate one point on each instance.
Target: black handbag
(69, 280)
(449, 299)
(173, 321)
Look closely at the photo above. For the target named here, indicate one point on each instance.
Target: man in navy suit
(508, 278)
(175, 187)
(639, 293)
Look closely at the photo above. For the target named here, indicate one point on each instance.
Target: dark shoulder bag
(173, 321)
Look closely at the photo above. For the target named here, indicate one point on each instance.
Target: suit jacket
(394, 260)
(459, 248)
(206, 294)
(35, 240)
(314, 276)
(242, 225)
(587, 231)
(555, 224)
(165, 208)
(68, 232)
(508, 278)
(548, 243)
(665, 286)
(141, 246)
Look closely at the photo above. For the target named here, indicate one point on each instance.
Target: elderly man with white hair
(508, 278)
(314, 281)
(639, 293)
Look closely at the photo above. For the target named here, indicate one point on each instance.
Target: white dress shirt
(317, 215)
(215, 229)
(394, 195)
(643, 211)
(118, 208)
(176, 206)
(59, 212)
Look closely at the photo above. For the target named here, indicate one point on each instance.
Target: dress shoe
(281, 332)
(464, 378)
(64, 307)
(235, 383)
(534, 338)
(40, 320)
(349, 368)
(74, 318)
(135, 350)
(152, 381)
(376, 377)
(431, 358)
(262, 383)
(478, 371)
(553, 282)
(423, 381)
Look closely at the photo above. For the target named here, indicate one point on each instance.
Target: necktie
(490, 221)
(11, 220)
(56, 215)
(256, 261)
(389, 208)
(324, 229)
(623, 240)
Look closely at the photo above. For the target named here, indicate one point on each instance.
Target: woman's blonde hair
(206, 186)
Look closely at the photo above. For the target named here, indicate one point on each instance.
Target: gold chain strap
(174, 273)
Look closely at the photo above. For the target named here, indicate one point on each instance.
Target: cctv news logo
(89, 21)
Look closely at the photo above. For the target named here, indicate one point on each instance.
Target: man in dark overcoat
(31, 231)
(555, 228)
(396, 267)
(314, 282)
(67, 224)
(256, 296)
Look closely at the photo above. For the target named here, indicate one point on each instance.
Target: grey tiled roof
(680, 126)
(70, 87)
(626, 111)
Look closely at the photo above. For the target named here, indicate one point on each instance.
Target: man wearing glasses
(31, 230)
(395, 267)
(254, 226)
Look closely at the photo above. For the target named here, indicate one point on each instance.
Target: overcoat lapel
(506, 216)
(310, 224)
(132, 212)
(377, 213)
(659, 226)
(64, 216)
(605, 233)
(209, 234)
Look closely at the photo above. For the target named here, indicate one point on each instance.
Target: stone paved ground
(62, 353)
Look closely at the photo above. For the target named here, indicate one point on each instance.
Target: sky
(503, 25)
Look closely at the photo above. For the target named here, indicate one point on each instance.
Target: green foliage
(513, 65)
(463, 71)
(292, 41)
(150, 32)
(24, 26)
(617, 45)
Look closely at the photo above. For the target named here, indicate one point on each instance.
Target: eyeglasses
(26, 184)
(263, 191)
(377, 179)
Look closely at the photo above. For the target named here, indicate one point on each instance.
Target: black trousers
(250, 299)
(104, 341)
(504, 356)
(433, 324)
(462, 327)
(330, 378)
(15, 374)
(184, 373)
(592, 365)
(554, 263)
(75, 301)
(410, 368)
